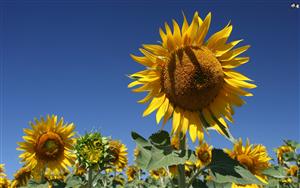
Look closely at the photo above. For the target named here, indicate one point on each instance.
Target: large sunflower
(192, 80)
(253, 157)
(48, 146)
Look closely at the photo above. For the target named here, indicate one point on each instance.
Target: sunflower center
(192, 78)
(204, 157)
(49, 146)
(246, 161)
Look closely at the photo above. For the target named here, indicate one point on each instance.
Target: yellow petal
(215, 38)
(185, 25)
(235, 62)
(156, 49)
(233, 53)
(222, 49)
(168, 114)
(162, 110)
(142, 60)
(236, 75)
(239, 83)
(176, 34)
(176, 119)
(203, 30)
(185, 122)
(155, 103)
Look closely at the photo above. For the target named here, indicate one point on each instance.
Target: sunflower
(292, 170)
(4, 182)
(118, 153)
(79, 170)
(48, 146)
(2, 170)
(21, 177)
(204, 155)
(281, 150)
(132, 172)
(156, 174)
(192, 80)
(253, 157)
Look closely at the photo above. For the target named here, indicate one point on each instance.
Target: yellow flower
(4, 182)
(189, 167)
(192, 80)
(204, 155)
(79, 170)
(281, 150)
(2, 170)
(132, 172)
(51, 176)
(48, 146)
(136, 152)
(21, 177)
(293, 170)
(253, 157)
(175, 141)
(119, 155)
(156, 174)
(245, 186)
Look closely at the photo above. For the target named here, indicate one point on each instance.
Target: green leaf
(74, 182)
(292, 143)
(275, 171)
(212, 184)
(32, 184)
(158, 152)
(225, 170)
(289, 156)
(161, 139)
(198, 183)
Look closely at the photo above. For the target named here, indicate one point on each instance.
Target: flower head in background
(48, 145)
(21, 177)
(253, 157)
(156, 174)
(203, 154)
(132, 172)
(118, 153)
(282, 150)
(192, 80)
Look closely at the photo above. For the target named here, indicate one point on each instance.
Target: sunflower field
(190, 82)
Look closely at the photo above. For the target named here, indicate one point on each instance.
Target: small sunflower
(253, 157)
(192, 80)
(118, 152)
(132, 172)
(4, 182)
(189, 168)
(2, 170)
(281, 150)
(21, 177)
(79, 170)
(48, 146)
(293, 170)
(156, 174)
(204, 155)
(91, 150)
(136, 152)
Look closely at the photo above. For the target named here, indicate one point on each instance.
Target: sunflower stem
(90, 177)
(181, 178)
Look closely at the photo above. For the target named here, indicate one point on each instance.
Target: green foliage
(158, 152)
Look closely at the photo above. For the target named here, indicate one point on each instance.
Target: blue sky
(71, 58)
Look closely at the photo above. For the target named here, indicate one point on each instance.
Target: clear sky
(71, 58)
